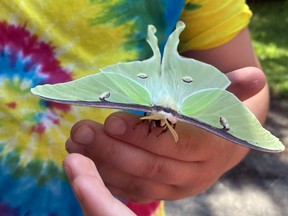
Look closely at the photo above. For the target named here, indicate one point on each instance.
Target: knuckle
(108, 152)
(195, 187)
(153, 168)
(189, 144)
(72, 147)
(124, 194)
(135, 198)
(140, 132)
(139, 190)
(135, 191)
(134, 187)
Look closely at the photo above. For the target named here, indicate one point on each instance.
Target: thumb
(246, 82)
(87, 185)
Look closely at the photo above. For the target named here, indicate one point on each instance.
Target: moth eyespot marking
(187, 79)
(142, 75)
(224, 123)
(104, 96)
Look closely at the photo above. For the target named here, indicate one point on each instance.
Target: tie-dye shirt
(57, 41)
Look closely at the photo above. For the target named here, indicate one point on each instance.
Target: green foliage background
(269, 32)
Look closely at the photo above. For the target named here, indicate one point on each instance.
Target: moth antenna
(149, 127)
(165, 129)
(173, 132)
(140, 122)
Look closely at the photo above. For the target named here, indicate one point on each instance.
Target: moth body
(163, 119)
(165, 115)
(168, 102)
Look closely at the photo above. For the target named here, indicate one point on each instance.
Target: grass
(269, 32)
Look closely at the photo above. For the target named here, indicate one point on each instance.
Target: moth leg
(152, 121)
(161, 121)
(172, 125)
(169, 126)
(165, 129)
(171, 129)
(157, 123)
(149, 127)
(141, 121)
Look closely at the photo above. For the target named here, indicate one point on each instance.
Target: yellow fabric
(160, 210)
(213, 23)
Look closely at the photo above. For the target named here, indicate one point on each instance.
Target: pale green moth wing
(148, 72)
(224, 115)
(200, 98)
(189, 90)
(126, 84)
(139, 71)
(185, 76)
(97, 90)
(165, 78)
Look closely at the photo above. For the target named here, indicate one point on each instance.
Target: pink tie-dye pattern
(143, 209)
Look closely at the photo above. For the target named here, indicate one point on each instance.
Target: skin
(83, 176)
(143, 168)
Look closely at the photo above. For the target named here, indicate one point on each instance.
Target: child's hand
(142, 167)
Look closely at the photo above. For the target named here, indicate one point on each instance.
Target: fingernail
(115, 126)
(83, 135)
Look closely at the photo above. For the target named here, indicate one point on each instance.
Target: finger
(138, 189)
(76, 165)
(128, 128)
(89, 189)
(142, 163)
(134, 160)
(148, 166)
(82, 135)
(246, 82)
(133, 188)
(113, 155)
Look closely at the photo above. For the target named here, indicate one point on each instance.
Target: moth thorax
(168, 102)
(166, 120)
(168, 116)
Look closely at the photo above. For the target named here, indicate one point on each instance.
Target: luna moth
(168, 88)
